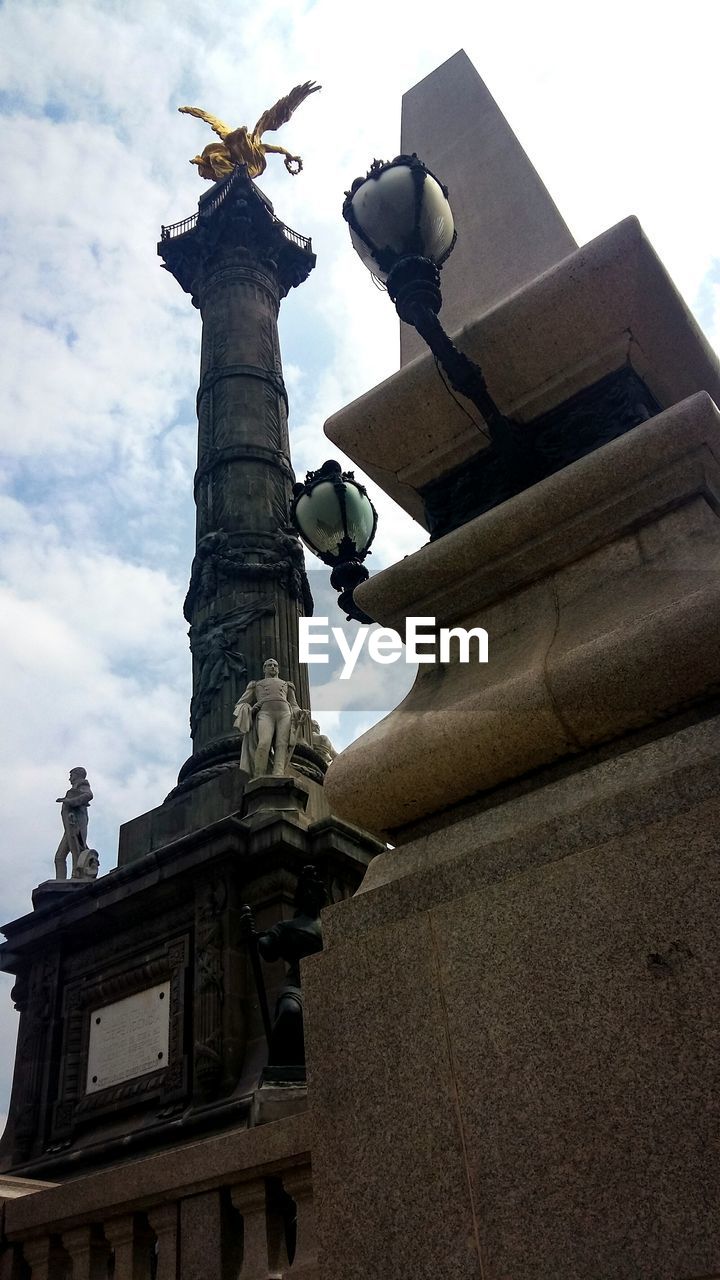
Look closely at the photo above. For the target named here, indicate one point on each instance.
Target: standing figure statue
(74, 815)
(269, 718)
(289, 940)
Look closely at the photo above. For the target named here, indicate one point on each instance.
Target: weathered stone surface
(554, 1026)
(274, 1102)
(208, 802)
(135, 1184)
(248, 584)
(553, 816)
(391, 1190)
(12, 1188)
(610, 304)
(49, 891)
(205, 1238)
(171, 917)
(509, 229)
(599, 590)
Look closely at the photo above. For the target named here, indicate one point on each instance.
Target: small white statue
(74, 815)
(88, 865)
(322, 744)
(268, 716)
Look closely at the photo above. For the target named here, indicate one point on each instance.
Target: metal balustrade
(207, 208)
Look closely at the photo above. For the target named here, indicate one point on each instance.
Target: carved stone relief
(167, 964)
(214, 646)
(209, 985)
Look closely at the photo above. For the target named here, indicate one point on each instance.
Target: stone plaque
(128, 1038)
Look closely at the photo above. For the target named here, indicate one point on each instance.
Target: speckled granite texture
(522, 1082)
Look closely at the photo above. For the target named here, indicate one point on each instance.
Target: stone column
(250, 1200)
(44, 1258)
(37, 1256)
(131, 1246)
(164, 1221)
(248, 585)
(88, 1253)
(209, 1241)
(12, 1266)
(298, 1184)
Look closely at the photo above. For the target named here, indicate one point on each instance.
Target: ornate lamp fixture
(402, 227)
(337, 521)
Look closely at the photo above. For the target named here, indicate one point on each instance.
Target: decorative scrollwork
(221, 558)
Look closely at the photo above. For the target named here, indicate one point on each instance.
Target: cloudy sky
(616, 104)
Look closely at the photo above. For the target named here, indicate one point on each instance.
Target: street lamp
(337, 521)
(402, 227)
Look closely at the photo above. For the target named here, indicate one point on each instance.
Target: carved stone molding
(215, 459)
(242, 219)
(600, 413)
(209, 985)
(168, 964)
(223, 558)
(36, 1022)
(116, 952)
(273, 378)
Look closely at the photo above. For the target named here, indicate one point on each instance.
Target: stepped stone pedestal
(522, 999)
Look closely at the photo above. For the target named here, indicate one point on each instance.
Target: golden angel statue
(245, 146)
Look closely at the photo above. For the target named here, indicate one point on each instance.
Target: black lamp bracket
(414, 286)
(344, 578)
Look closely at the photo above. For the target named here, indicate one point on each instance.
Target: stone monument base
(541, 981)
(209, 802)
(56, 891)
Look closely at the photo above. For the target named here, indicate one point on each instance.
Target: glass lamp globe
(333, 515)
(399, 210)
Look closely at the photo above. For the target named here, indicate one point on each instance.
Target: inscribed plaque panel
(128, 1038)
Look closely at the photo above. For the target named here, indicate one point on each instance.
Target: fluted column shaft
(248, 585)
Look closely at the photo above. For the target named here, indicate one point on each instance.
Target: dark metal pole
(247, 925)
(464, 375)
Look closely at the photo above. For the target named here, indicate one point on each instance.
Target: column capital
(36, 1252)
(234, 215)
(298, 1180)
(249, 1197)
(163, 1217)
(120, 1230)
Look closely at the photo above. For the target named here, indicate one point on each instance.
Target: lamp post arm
(462, 372)
(513, 446)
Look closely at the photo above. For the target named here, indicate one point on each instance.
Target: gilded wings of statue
(245, 146)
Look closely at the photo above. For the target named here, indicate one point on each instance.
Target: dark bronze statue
(289, 940)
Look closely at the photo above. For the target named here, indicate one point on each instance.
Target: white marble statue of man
(74, 815)
(269, 717)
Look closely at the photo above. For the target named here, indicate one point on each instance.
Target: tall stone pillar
(504, 214)
(521, 1000)
(248, 584)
